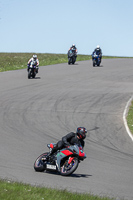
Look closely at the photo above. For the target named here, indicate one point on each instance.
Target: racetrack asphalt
(35, 112)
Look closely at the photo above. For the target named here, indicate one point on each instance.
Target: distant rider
(73, 47)
(97, 51)
(34, 58)
(70, 139)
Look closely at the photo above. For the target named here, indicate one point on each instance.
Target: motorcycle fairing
(66, 152)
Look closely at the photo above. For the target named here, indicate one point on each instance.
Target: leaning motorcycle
(32, 70)
(63, 161)
(96, 60)
(72, 56)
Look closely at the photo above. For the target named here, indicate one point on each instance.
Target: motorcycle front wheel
(73, 61)
(69, 61)
(68, 169)
(33, 75)
(39, 164)
(29, 74)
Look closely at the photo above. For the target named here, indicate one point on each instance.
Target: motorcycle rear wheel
(68, 169)
(39, 164)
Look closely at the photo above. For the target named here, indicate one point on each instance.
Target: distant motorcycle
(64, 161)
(32, 69)
(72, 56)
(96, 60)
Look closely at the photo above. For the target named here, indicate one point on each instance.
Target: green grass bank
(130, 117)
(18, 191)
(14, 61)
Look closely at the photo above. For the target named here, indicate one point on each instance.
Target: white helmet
(73, 45)
(98, 47)
(34, 57)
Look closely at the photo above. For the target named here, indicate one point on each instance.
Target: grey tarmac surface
(38, 111)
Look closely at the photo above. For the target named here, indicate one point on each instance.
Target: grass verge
(18, 191)
(14, 61)
(130, 117)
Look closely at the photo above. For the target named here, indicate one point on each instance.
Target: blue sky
(52, 26)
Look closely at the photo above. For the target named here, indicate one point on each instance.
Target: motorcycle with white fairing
(32, 69)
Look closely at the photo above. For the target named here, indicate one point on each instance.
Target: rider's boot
(50, 154)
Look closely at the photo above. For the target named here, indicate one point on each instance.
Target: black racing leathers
(67, 140)
(71, 139)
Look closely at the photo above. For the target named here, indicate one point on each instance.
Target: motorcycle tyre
(41, 166)
(33, 75)
(93, 63)
(73, 60)
(98, 63)
(69, 61)
(29, 74)
(71, 170)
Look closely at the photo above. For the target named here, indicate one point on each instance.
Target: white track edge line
(124, 117)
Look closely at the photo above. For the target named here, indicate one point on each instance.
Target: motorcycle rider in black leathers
(98, 51)
(70, 139)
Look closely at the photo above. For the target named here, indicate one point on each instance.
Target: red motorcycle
(64, 161)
